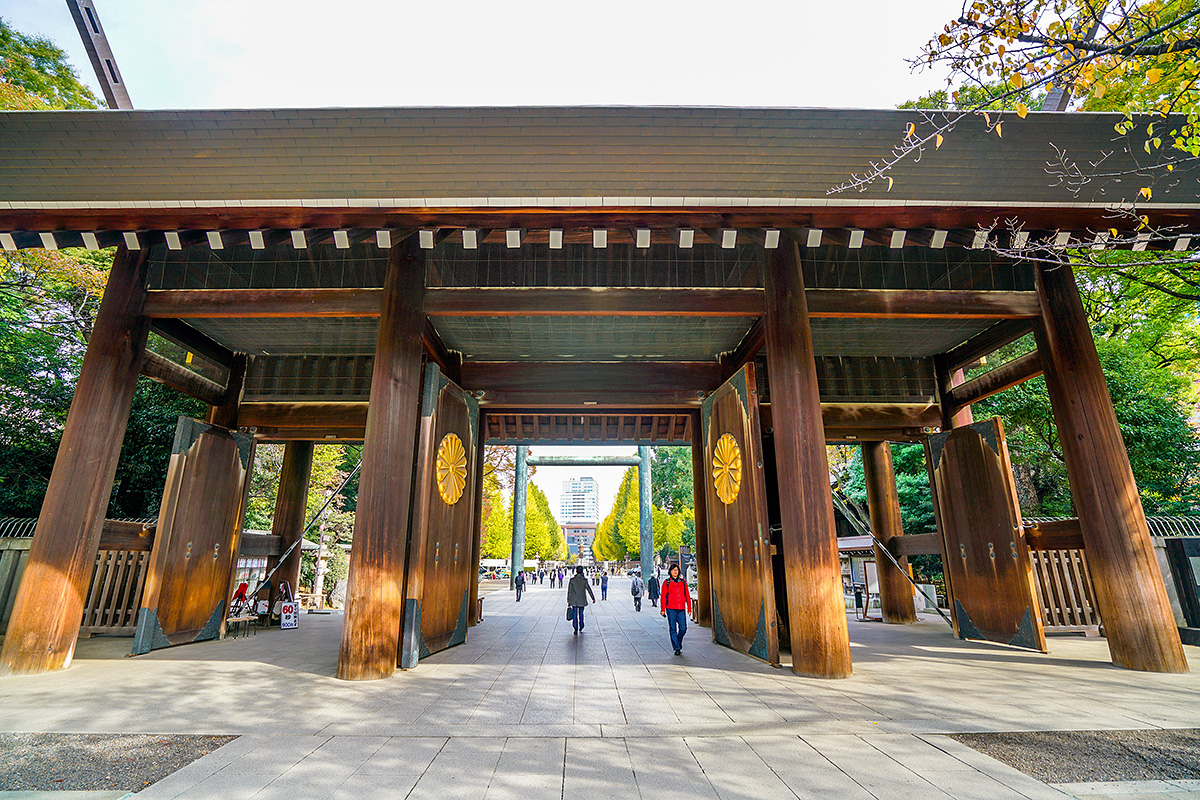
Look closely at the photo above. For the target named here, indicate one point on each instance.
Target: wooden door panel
(439, 569)
(743, 595)
(985, 556)
(195, 543)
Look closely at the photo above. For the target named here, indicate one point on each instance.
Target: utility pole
(104, 63)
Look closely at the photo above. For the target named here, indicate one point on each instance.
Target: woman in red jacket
(676, 605)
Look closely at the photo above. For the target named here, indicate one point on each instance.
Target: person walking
(636, 590)
(676, 605)
(603, 585)
(519, 582)
(578, 592)
(652, 590)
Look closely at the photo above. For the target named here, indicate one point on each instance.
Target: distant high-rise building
(579, 502)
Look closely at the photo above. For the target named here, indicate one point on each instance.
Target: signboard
(289, 616)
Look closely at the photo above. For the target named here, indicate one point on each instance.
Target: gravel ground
(120, 762)
(1077, 756)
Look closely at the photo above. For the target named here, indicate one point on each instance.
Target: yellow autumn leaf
(1170, 167)
(910, 130)
(937, 142)
(1112, 232)
(890, 182)
(1154, 75)
(1022, 110)
(999, 132)
(987, 120)
(1100, 91)
(1145, 192)
(1016, 80)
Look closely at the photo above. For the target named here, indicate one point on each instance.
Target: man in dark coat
(652, 589)
(578, 593)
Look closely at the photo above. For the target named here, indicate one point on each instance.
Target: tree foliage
(35, 74)
(671, 478)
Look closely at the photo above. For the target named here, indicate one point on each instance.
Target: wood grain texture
(225, 412)
(180, 378)
(1130, 595)
(743, 594)
(375, 596)
(816, 609)
(49, 605)
(700, 505)
(291, 507)
(988, 571)
(195, 543)
(1007, 375)
(440, 570)
(895, 592)
(541, 384)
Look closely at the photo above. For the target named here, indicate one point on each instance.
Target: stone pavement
(524, 709)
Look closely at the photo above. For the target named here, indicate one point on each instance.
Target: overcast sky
(272, 53)
(275, 53)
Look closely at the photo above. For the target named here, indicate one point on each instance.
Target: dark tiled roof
(759, 156)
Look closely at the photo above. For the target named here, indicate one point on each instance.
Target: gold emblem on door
(727, 468)
(451, 468)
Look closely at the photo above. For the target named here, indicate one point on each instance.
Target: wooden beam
(1060, 534)
(337, 416)
(1130, 594)
(813, 579)
(987, 342)
(225, 413)
(1005, 376)
(601, 301)
(48, 609)
(263, 544)
(919, 304)
(869, 416)
(594, 385)
(941, 217)
(436, 350)
(746, 350)
(193, 341)
(122, 535)
(375, 598)
(883, 501)
(180, 378)
(921, 544)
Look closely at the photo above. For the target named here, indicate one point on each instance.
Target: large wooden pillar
(291, 505)
(375, 596)
(226, 414)
(700, 504)
(49, 605)
(816, 609)
(1130, 595)
(520, 496)
(895, 592)
(946, 380)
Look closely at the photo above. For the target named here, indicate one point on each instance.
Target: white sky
(273, 53)
(298, 53)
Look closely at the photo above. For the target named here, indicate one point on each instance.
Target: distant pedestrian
(578, 592)
(519, 582)
(676, 605)
(652, 590)
(560, 578)
(603, 585)
(636, 590)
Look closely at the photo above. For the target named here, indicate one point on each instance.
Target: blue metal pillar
(520, 490)
(647, 516)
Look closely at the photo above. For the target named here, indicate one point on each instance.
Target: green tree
(497, 527)
(671, 478)
(35, 74)
(611, 542)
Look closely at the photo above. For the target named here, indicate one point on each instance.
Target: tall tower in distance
(579, 509)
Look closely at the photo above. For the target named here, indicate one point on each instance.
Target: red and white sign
(289, 616)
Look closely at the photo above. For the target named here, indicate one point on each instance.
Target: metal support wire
(840, 501)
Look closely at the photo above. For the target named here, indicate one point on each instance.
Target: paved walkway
(526, 710)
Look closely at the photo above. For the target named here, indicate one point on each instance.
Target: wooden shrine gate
(742, 580)
(985, 556)
(442, 562)
(196, 543)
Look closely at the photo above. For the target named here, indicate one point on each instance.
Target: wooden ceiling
(585, 428)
